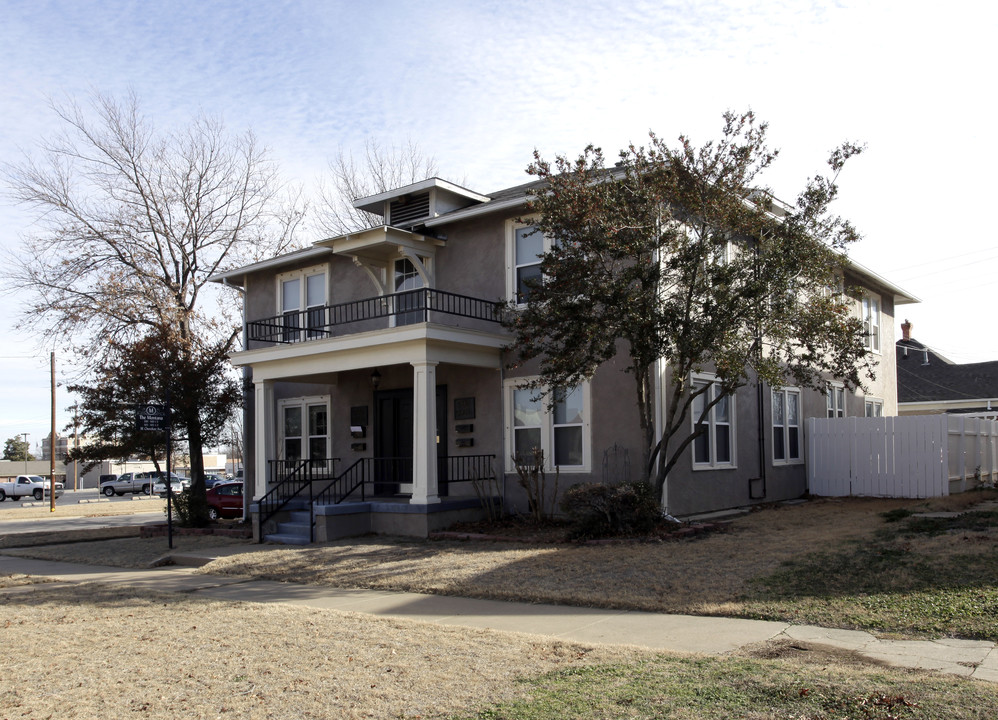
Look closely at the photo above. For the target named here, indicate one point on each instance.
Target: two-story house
(380, 389)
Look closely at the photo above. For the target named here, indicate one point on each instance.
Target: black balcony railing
(407, 308)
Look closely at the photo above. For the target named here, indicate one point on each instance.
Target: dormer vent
(409, 208)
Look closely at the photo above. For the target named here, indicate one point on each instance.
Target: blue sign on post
(152, 418)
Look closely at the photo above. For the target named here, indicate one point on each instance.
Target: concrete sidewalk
(676, 633)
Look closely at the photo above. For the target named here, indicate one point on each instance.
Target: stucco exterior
(447, 365)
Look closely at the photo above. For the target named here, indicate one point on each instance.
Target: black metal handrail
(408, 307)
(290, 479)
(294, 477)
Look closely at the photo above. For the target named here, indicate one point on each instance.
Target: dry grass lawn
(93, 651)
(706, 574)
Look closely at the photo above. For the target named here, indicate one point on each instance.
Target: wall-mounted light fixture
(375, 379)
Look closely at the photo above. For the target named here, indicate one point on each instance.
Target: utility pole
(25, 436)
(52, 441)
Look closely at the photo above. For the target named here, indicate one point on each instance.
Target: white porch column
(424, 433)
(263, 434)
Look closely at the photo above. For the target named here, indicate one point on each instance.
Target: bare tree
(132, 222)
(380, 169)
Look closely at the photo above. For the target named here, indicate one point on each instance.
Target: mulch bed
(554, 532)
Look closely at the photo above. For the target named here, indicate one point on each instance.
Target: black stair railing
(292, 479)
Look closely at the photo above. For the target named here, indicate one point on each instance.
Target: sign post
(156, 418)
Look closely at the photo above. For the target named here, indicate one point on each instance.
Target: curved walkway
(657, 631)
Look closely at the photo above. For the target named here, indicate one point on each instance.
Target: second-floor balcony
(394, 310)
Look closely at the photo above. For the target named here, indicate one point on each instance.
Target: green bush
(599, 510)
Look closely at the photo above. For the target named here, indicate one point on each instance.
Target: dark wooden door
(393, 439)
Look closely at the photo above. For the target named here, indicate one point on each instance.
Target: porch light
(375, 379)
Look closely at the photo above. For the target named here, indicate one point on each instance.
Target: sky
(479, 85)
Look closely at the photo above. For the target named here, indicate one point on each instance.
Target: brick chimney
(906, 330)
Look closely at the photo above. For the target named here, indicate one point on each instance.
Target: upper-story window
(715, 446)
(871, 322)
(409, 306)
(301, 303)
(525, 245)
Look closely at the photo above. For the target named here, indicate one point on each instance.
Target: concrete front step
(286, 539)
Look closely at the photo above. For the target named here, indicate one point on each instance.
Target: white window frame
(785, 392)
(871, 313)
(835, 392)
(304, 403)
(547, 427)
(303, 306)
(873, 403)
(712, 423)
(511, 265)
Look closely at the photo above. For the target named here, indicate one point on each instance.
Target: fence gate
(910, 456)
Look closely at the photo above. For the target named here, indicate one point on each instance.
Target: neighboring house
(929, 383)
(377, 357)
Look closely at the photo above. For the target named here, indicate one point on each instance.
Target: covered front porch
(392, 431)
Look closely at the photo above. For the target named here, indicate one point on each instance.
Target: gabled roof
(926, 376)
(376, 203)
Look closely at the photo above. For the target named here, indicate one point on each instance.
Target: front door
(393, 439)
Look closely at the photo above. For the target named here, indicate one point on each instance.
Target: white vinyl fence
(910, 456)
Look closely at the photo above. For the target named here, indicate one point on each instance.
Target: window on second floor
(524, 247)
(715, 447)
(870, 307)
(301, 300)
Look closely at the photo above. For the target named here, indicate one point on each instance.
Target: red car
(225, 500)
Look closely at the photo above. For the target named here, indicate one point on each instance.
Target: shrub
(604, 510)
(189, 511)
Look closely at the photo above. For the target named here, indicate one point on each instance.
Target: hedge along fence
(912, 456)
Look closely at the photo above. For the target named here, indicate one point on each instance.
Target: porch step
(296, 531)
(286, 539)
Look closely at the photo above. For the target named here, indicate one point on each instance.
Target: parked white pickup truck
(27, 486)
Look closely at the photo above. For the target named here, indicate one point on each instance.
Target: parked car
(28, 486)
(225, 500)
(126, 483)
(178, 483)
(211, 479)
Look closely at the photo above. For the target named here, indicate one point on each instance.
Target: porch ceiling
(425, 342)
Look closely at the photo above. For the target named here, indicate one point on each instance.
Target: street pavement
(656, 631)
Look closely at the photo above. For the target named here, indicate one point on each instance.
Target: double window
(870, 307)
(874, 407)
(525, 245)
(305, 429)
(302, 300)
(715, 445)
(835, 401)
(786, 426)
(559, 429)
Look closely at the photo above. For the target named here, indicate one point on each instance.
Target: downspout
(247, 378)
(762, 441)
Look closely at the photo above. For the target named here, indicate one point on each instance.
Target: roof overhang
(381, 244)
(237, 276)
(901, 296)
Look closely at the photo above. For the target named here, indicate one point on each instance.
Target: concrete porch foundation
(386, 517)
